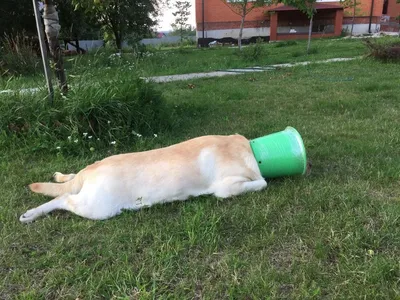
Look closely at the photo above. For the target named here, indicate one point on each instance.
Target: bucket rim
(300, 142)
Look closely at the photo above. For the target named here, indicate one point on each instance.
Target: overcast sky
(164, 21)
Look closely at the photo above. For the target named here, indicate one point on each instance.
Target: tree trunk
(118, 41)
(241, 29)
(52, 29)
(309, 33)
(118, 36)
(354, 16)
(43, 51)
(78, 49)
(181, 33)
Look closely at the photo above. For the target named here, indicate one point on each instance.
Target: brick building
(279, 22)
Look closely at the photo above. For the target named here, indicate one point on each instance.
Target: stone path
(22, 91)
(228, 72)
(170, 78)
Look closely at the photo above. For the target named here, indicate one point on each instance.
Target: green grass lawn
(189, 60)
(332, 235)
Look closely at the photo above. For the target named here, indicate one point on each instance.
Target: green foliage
(188, 31)
(253, 52)
(313, 51)
(298, 53)
(121, 17)
(75, 23)
(305, 6)
(242, 8)
(18, 56)
(285, 43)
(109, 112)
(349, 3)
(181, 15)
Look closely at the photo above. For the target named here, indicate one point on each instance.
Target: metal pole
(202, 17)
(370, 16)
(43, 51)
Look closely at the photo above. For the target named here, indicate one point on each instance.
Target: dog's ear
(309, 166)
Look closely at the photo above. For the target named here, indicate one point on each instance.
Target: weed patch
(90, 117)
(18, 56)
(384, 49)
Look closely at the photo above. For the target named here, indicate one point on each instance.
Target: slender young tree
(307, 7)
(52, 29)
(243, 8)
(354, 5)
(181, 15)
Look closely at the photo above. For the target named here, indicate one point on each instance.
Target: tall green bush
(18, 56)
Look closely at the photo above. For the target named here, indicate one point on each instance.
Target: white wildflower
(85, 134)
(76, 141)
(155, 135)
(108, 122)
(113, 142)
(90, 136)
(115, 55)
(58, 147)
(135, 133)
(69, 138)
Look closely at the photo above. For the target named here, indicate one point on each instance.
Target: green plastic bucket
(280, 154)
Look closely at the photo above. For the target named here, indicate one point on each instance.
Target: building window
(385, 7)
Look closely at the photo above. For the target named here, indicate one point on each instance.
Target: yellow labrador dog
(220, 165)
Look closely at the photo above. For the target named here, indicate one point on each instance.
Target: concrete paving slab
(238, 71)
(169, 78)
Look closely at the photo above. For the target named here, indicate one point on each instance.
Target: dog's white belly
(173, 182)
(116, 190)
(107, 196)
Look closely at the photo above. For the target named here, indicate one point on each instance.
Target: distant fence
(94, 44)
(166, 40)
(389, 24)
(206, 42)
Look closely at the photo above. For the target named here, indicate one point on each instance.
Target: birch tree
(243, 8)
(181, 15)
(52, 28)
(354, 5)
(307, 7)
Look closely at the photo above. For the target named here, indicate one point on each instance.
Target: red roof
(317, 6)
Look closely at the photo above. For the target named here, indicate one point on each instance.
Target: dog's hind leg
(235, 185)
(80, 204)
(57, 203)
(60, 177)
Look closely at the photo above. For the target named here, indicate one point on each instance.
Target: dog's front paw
(57, 176)
(29, 216)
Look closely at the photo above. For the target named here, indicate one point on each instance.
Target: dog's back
(219, 165)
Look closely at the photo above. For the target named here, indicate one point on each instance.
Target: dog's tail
(56, 189)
